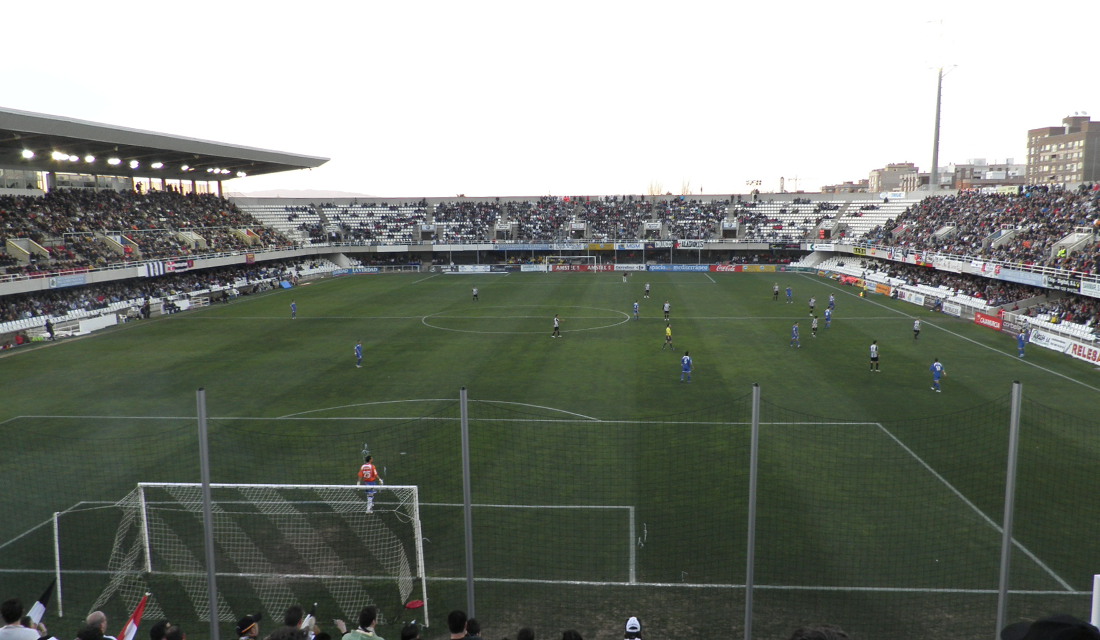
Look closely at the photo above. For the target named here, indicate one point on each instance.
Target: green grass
(878, 498)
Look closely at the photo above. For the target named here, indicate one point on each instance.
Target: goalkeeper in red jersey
(368, 476)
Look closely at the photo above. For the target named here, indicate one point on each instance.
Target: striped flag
(39, 608)
(130, 630)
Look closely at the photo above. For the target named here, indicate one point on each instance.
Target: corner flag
(130, 630)
(39, 608)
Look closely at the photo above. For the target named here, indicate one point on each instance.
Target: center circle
(520, 317)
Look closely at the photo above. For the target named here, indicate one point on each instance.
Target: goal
(589, 261)
(274, 544)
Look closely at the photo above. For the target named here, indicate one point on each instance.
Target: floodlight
(113, 161)
(89, 158)
(74, 158)
(242, 174)
(134, 164)
(59, 155)
(158, 165)
(28, 154)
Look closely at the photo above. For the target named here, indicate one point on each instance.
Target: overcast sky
(589, 97)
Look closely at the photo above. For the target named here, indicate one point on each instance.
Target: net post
(1010, 499)
(207, 514)
(467, 501)
(146, 545)
(57, 561)
(419, 536)
(1095, 619)
(633, 546)
(754, 459)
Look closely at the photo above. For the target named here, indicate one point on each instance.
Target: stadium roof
(73, 141)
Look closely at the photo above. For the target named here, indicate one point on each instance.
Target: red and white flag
(130, 630)
(39, 608)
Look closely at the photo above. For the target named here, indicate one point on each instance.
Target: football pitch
(603, 486)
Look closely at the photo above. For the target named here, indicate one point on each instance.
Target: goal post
(278, 544)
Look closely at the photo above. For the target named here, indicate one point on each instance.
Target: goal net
(275, 545)
(573, 260)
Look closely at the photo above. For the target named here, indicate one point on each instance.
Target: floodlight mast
(934, 175)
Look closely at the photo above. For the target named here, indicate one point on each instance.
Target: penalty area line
(973, 507)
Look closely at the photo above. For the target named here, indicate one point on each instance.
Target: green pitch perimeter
(596, 418)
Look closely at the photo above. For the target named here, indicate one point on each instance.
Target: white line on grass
(710, 278)
(976, 510)
(970, 340)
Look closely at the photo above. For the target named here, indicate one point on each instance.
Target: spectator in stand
(98, 619)
(368, 616)
(456, 624)
(819, 632)
(633, 628)
(12, 613)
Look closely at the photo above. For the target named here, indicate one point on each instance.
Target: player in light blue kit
(359, 354)
(828, 317)
(937, 373)
(635, 309)
(1021, 342)
(832, 301)
(685, 367)
(794, 336)
(790, 296)
(293, 310)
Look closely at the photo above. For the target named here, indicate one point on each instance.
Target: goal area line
(659, 585)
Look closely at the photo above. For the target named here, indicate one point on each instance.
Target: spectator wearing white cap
(633, 628)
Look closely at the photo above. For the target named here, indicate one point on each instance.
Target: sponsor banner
(473, 268)
(1049, 340)
(175, 266)
(948, 264)
(1086, 352)
(629, 246)
(859, 251)
(1089, 288)
(578, 226)
(691, 244)
(60, 282)
(727, 267)
(909, 296)
(151, 269)
(356, 271)
(784, 245)
(679, 267)
(517, 247)
(953, 309)
(986, 320)
(822, 246)
(503, 268)
(659, 244)
(760, 268)
(653, 226)
(895, 195)
(1063, 283)
(250, 258)
(883, 289)
(431, 227)
(532, 267)
(1022, 277)
(601, 246)
(729, 224)
(629, 267)
(567, 246)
